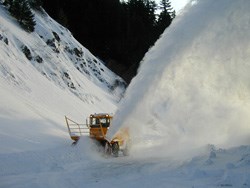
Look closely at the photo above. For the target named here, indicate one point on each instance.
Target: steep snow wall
(193, 86)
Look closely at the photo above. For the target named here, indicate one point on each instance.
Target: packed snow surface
(187, 109)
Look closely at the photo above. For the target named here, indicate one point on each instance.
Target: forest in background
(117, 32)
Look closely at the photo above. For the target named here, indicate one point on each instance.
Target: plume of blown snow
(193, 87)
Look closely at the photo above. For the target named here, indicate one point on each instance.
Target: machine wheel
(74, 143)
(115, 149)
(107, 149)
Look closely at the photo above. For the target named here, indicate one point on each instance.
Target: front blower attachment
(119, 143)
(96, 127)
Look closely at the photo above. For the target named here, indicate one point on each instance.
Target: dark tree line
(21, 10)
(118, 32)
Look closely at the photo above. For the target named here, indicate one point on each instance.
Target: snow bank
(193, 86)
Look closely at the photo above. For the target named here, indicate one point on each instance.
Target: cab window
(95, 122)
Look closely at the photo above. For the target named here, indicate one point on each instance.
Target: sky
(178, 4)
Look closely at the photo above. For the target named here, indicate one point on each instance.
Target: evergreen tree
(119, 32)
(20, 9)
(166, 16)
(7, 2)
(36, 4)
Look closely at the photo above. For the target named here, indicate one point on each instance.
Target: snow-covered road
(77, 166)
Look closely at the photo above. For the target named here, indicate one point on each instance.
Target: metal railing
(76, 129)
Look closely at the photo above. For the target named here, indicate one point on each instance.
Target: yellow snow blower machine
(96, 128)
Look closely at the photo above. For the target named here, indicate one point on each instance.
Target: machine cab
(98, 125)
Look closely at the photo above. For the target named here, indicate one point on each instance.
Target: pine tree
(7, 2)
(20, 9)
(166, 16)
(36, 4)
(120, 32)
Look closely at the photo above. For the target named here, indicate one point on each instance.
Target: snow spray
(193, 86)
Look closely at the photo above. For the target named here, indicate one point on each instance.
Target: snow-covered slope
(186, 108)
(45, 75)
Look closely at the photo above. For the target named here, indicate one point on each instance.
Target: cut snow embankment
(193, 86)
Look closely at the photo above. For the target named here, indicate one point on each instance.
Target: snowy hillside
(187, 109)
(54, 52)
(45, 75)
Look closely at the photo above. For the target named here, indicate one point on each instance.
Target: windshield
(97, 121)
